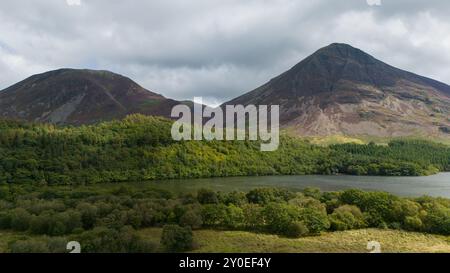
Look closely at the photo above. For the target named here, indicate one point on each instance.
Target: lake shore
(435, 185)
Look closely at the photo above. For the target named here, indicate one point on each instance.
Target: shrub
(279, 216)
(212, 215)
(346, 217)
(88, 215)
(437, 219)
(29, 246)
(268, 195)
(308, 202)
(234, 217)
(312, 192)
(5, 220)
(108, 240)
(253, 216)
(55, 224)
(296, 229)
(191, 218)
(235, 198)
(413, 223)
(20, 219)
(4, 193)
(205, 196)
(133, 218)
(177, 239)
(315, 221)
(377, 206)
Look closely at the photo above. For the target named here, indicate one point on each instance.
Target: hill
(71, 96)
(341, 90)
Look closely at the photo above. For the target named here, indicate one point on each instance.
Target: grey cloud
(212, 48)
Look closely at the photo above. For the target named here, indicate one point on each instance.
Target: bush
(55, 224)
(41, 245)
(234, 217)
(413, 223)
(253, 216)
(377, 206)
(312, 192)
(296, 229)
(5, 220)
(191, 218)
(205, 196)
(177, 239)
(4, 193)
(308, 202)
(279, 216)
(88, 215)
(235, 198)
(29, 246)
(212, 215)
(437, 219)
(346, 217)
(267, 195)
(107, 240)
(316, 221)
(20, 219)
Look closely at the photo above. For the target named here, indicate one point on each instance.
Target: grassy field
(354, 241)
(340, 139)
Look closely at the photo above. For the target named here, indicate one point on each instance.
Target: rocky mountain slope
(70, 96)
(341, 90)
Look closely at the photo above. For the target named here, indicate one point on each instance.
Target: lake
(435, 185)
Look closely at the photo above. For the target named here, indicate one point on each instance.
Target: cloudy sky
(217, 49)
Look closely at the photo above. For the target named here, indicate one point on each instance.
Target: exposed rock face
(69, 96)
(342, 90)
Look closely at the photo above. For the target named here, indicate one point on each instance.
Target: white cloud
(73, 2)
(374, 2)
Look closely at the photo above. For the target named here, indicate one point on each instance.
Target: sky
(216, 49)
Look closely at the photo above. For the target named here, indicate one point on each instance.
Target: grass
(341, 139)
(336, 139)
(354, 241)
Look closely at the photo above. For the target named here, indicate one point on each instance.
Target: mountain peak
(339, 47)
(344, 51)
(79, 96)
(340, 89)
(71, 73)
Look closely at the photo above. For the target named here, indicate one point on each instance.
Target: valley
(88, 156)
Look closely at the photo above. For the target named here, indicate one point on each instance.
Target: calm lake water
(436, 185)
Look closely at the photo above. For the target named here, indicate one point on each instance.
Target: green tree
(177, 239)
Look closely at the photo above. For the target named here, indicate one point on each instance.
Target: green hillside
(141, 148)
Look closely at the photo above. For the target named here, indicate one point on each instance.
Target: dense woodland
(141, 148)
(106, 219)
(49, 192)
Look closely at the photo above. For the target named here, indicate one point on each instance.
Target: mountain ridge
(79, 96)
(337, 90)
(341, 90)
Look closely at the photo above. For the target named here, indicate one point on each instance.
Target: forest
(51, 191)
(45, 219)
(140, 148)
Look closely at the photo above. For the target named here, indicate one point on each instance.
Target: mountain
(341, 90)
(71, 96)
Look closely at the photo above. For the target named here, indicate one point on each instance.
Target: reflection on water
(436, 185)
